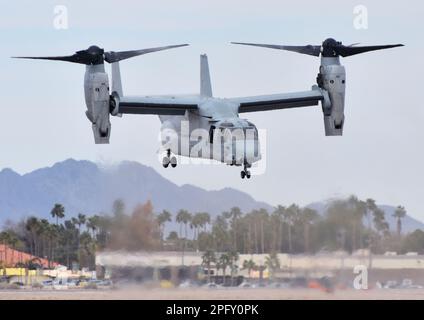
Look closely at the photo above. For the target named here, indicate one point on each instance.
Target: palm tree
(92, 224)
(81, 220)
(253, 229)
(234, 215)
(248, 227)
(186, 221)
(290, 216)
(73, 221)
(206, 219)
(307, 217)
(69, 233)
(276, 223)
(52, 234)
(58, 212)
(233, 257)
(207, 259)
(272, 263)
(43, 231)
(359, 211)
(224, 262)
(249, 265)
(263, 217)
(399, 214)
(48, 234)
(381, 226)
(162, 219)
(32, 225)
(183, 218)
(195, 224)
(118, 207)
(370, 207)
(258, 219)
(198, 223)
(220, 234)
(380, 222)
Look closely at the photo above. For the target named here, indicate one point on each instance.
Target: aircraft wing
(279, 101)
(157, 105)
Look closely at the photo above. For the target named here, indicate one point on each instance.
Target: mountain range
(83, 186)
(409, 224)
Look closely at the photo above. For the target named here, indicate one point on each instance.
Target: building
(148, 265)
(10, 258)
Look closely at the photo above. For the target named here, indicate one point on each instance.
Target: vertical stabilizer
(205, 78)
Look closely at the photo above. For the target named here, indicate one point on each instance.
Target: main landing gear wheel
(173, 162)
(245, 173)
(165, 162)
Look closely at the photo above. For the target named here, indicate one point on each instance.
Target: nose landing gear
(168, 160)
(245, 173)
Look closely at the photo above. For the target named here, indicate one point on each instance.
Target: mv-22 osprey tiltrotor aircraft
(215, 116)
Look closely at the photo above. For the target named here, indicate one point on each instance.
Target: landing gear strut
(168, 160)
(245, 173)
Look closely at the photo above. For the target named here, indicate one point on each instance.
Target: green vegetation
(348, 224)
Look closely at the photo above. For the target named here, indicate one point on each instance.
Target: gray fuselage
(214, 131)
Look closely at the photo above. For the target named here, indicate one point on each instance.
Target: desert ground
(137, 293)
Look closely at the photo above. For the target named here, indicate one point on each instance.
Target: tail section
(205, 78)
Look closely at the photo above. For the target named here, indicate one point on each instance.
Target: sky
(381, 155)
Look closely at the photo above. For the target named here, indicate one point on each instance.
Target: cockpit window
(227, 125)
(228, 130)
(238, 133)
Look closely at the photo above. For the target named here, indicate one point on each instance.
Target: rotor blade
(309, 50)
(75, 58)
(350, 51)
(112, 56)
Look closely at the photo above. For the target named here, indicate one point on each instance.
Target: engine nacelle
(96, 86)
(332, 78)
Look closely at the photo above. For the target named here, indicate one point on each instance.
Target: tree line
(346, 224)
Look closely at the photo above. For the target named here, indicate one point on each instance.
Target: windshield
(240, 133)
